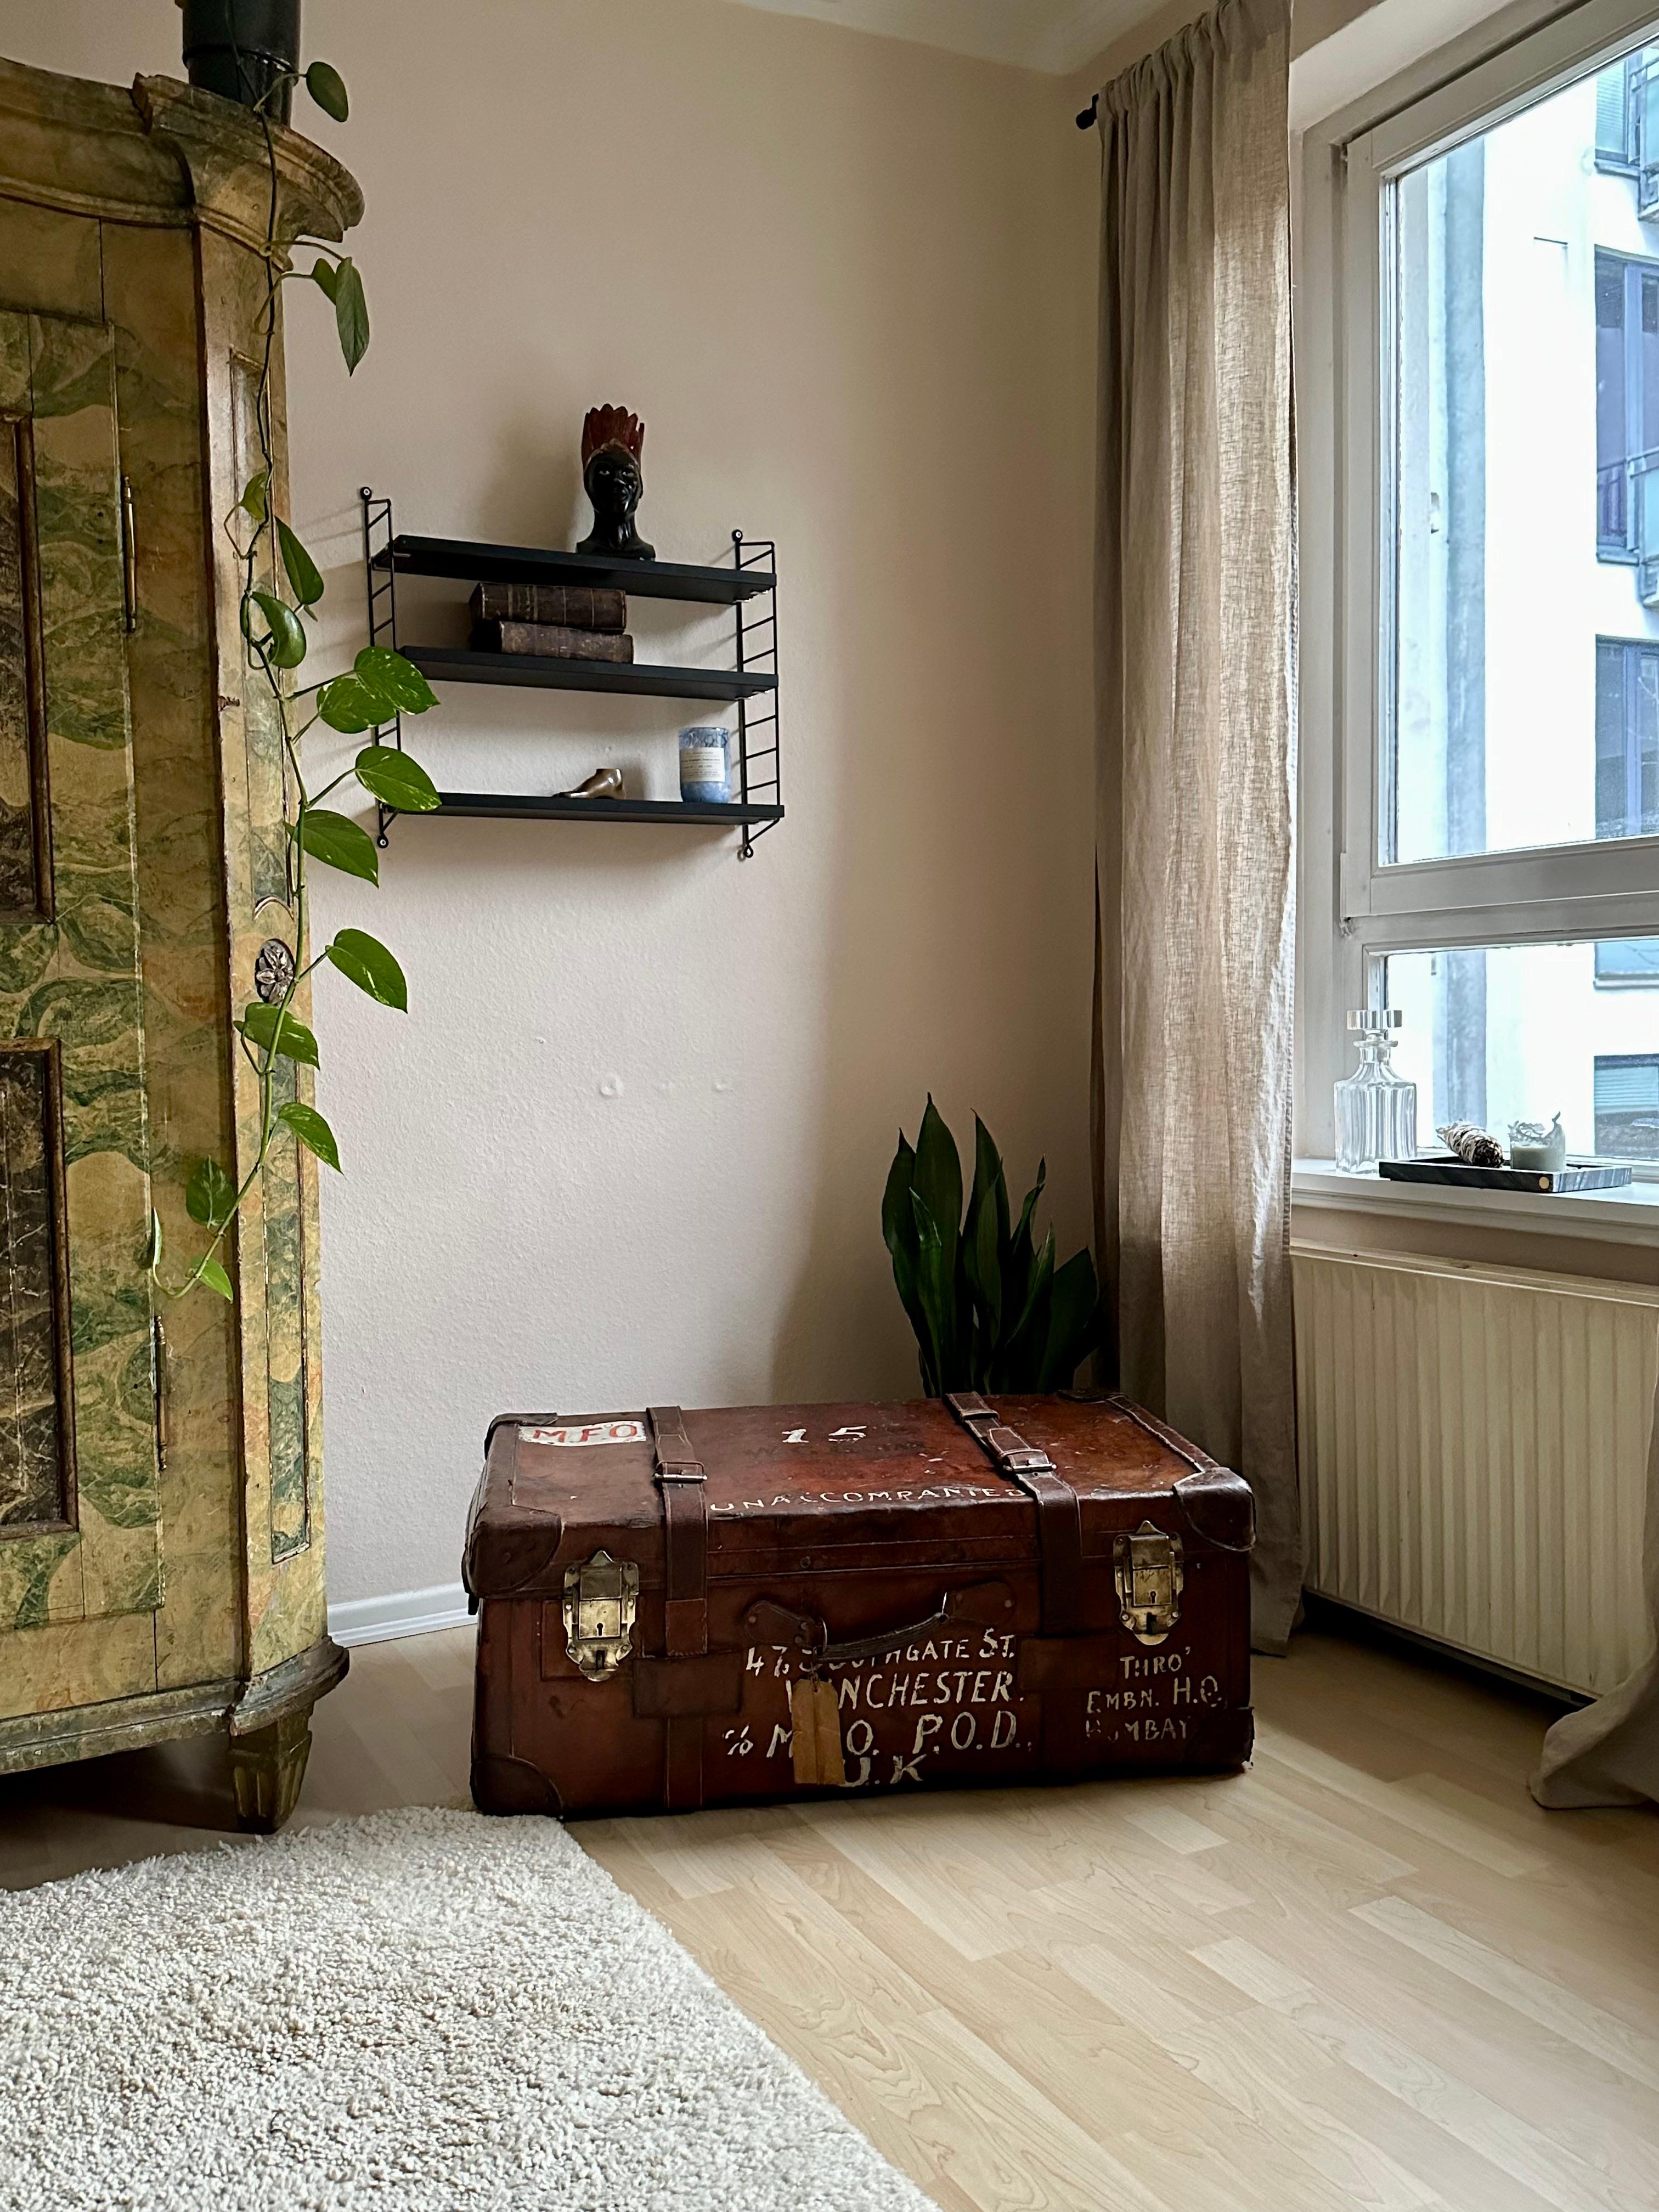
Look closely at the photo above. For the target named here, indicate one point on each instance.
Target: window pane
(1503, 1033)
(1525, 560)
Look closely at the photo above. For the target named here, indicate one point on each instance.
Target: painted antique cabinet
(161, 1493)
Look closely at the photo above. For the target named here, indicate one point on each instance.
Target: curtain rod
(1085, 120)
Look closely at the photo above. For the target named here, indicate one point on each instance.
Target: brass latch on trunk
(1147, 1570)
(601, 1597)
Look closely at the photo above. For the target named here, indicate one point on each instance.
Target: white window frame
(1354, 912)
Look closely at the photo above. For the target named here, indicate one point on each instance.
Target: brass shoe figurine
(603, 783)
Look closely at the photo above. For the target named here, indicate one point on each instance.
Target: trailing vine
(379, 685)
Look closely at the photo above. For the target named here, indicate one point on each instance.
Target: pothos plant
(281, 587)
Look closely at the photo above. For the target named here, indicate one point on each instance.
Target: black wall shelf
(468, 561)
(456, 665)
(508, 806)
(749, 682)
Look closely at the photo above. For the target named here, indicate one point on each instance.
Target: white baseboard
(400, 1612)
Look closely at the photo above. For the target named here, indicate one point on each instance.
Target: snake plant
(990, 1309)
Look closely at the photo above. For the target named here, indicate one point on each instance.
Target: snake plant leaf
(303, 574)
(1073, 1302)
(312, 1131)
(935, 1290)
(1036, 1289)
(984, 1235)
(371, 968)
(275, 1031)
(988, 1161)
(898, 1230)
(939, 1185)
(285, 645)
(209, 1195)
(1023, 1234)
(396, 678)
(898, 1226)
(214, 1277)
(327, 87)
(338, 842)
(395, 780)
(984, 1256)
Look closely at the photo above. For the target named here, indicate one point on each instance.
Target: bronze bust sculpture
(611, 443)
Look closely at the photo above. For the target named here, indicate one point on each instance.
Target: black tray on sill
(1443, 1168)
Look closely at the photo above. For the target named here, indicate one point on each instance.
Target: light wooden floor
(1368, 1972)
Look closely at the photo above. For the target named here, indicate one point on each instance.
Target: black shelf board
(510, 806)
(474, 563)
(457, 664)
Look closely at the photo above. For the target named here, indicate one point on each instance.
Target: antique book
(573, 606)
(741, 1603)
(552, 640)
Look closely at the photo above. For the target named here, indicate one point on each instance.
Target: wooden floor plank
(1366, 1973)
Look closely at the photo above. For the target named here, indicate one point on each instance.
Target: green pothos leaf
(327, 87)
(253, 501)
(214, 1277)
(338, 842)
(303, 574)
(347, 704)
(350, 312)
(275, 1031)
(285, 641)
(395, 780)
(371, 967)
(394, 677)
(312, 1131)
(210, 1194)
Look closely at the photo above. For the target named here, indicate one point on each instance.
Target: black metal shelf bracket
(751, 683)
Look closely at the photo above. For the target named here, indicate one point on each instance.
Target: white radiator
(1473, 1444)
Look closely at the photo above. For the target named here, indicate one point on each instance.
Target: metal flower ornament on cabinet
(281, 585)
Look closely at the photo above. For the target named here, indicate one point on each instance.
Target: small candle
(705, 777)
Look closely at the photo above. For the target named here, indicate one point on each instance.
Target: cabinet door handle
(129, 555)
(163, 1409)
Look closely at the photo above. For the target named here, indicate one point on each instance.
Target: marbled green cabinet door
(80, 1533)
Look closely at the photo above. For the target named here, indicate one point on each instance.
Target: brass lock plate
(1147, 1570)
(601, 1597)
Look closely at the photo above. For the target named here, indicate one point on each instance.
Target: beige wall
(846, 281)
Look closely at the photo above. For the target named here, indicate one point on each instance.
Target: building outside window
(1627, 1106)
(1490, 774)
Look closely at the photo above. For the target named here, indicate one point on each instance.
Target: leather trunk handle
(978, 1605)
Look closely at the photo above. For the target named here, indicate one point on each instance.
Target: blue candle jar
(705, 773)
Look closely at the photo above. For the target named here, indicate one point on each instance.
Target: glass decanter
(1376, 1107)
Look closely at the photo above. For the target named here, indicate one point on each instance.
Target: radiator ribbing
(1472, 1447)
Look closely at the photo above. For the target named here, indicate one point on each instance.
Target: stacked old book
(557, 622)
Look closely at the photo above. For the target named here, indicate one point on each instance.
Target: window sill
(1630, 1216)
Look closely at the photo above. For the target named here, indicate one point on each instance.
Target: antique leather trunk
(709, 1608)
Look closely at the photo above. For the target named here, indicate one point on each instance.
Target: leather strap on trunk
(1060, 1518)
(1060, 1545)
(679, 1477)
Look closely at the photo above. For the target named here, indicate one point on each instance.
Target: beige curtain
(1608, 1753)
(1195, 856)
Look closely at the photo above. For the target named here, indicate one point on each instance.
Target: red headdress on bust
(611, 426)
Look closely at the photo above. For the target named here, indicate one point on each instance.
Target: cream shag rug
(424, 2009)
